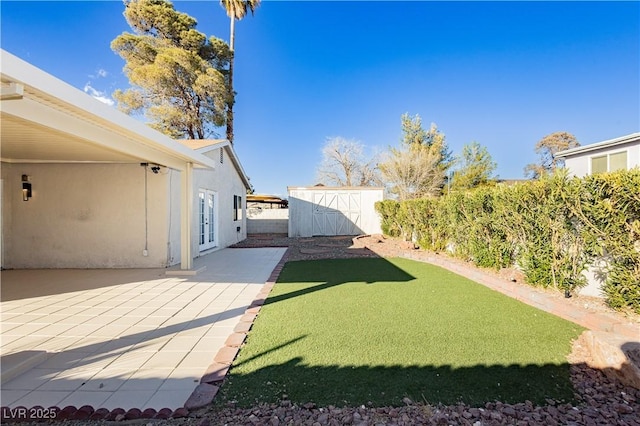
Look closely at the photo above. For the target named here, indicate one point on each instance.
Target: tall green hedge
(551, 228)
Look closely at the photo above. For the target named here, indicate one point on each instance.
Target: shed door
(336, 213)
(349, 218)
(325, 213)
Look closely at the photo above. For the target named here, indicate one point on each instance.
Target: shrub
(551, 228)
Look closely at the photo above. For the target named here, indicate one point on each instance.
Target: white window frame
(608, 155)
(237, 208)
(211, 224)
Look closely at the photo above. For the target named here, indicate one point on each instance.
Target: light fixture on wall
(26, 188)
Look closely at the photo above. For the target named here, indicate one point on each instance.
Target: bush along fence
(553, 229)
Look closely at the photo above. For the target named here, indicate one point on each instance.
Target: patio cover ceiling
(46, 120)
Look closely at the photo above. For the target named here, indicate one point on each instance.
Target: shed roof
(335, 188)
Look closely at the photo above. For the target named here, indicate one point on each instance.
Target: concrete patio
(112, 338)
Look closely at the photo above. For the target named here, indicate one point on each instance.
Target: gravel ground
(599, 399)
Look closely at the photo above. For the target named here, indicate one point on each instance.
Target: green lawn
(353, 331)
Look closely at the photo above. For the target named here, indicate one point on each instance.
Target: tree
(418, 168)
(344, 164)
(413, 133)
(236, 9)
(475, 167)
(413, 172)
(546, 148)
(177, 74)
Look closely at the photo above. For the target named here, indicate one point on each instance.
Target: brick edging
(86, 412)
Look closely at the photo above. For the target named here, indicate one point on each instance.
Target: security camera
(155, 169)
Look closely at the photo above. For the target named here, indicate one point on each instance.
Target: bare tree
(418, 168)
(546, 148)
(413, 171)
(345, 164)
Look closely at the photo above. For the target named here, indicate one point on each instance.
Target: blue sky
(503, 74)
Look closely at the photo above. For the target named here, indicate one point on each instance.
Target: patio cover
(45, 120)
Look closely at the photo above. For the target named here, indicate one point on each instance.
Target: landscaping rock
(201, 396)
(615, 355)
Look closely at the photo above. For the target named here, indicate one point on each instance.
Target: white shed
(323, 210)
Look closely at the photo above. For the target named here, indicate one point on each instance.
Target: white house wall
(83, 216)
(579, 164)
(225, 182)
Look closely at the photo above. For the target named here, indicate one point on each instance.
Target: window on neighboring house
(609, 162)
(237, 207)
(618, 161)
(599, 164)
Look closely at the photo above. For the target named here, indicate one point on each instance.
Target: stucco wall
(267, 221)
(83, 216)
(225, 182)
(579, 164)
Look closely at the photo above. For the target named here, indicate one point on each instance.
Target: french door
(207, 213)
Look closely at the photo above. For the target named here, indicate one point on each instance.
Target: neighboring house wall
(267, 220)
(83, 216)
(333, 211)
(580, 163)
(606, 156)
